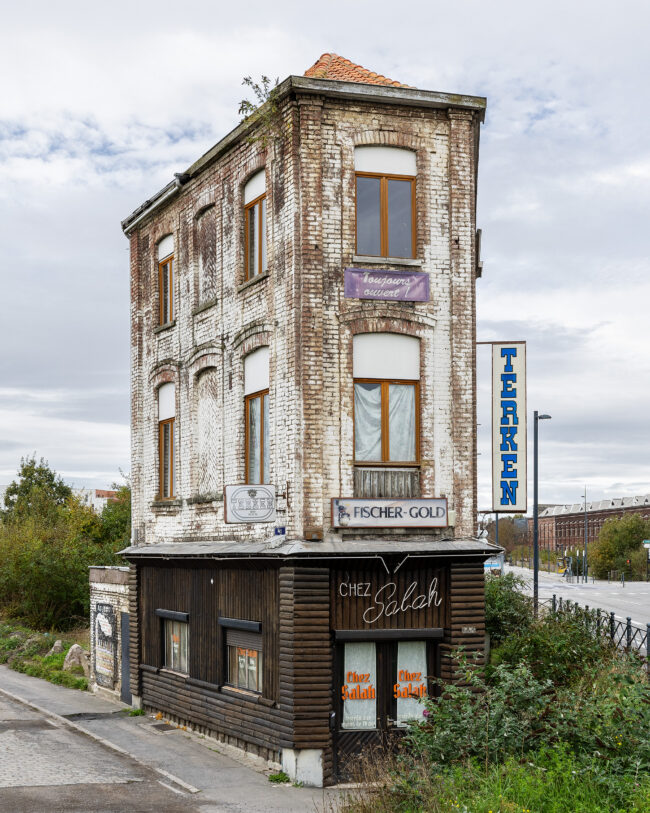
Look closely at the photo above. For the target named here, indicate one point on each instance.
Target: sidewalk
(226, 779)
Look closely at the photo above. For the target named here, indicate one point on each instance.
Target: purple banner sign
(391, 286)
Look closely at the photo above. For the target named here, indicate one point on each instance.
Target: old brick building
(562, 527)
(303, 323)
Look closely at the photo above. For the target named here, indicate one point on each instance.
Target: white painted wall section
(256, 371)
(255, 186)
(166, 402)
(304, 765)
(166, 247)
(386, 355)
(385, 160)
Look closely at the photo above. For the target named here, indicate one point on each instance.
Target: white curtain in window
(360, 681)
(367, 421)
(411, 663)
(401, 422)
(254, 438)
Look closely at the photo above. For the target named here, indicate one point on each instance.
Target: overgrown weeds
(25, 650)
(558, 722)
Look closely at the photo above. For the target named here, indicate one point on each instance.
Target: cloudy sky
(101, 107)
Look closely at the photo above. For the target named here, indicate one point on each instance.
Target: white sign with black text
(376, 513)
(248, 503)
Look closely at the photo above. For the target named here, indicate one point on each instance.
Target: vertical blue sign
(509, 458)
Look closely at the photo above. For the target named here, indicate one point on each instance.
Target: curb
(101, 740)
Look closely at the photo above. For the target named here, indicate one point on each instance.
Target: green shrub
(557, 647)
(507, 609)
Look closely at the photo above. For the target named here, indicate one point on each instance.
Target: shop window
(244, 659)
(256, 405)
(166, 280)
(386, 398)
(411, 680)
(359, 692)
(385, 202)
(166, 428)
(255, 225)
(176, 635)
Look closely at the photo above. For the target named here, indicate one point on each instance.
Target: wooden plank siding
(467, 593)
(134, 632)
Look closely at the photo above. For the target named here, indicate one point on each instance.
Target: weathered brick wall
(300, 312)
(108, 586)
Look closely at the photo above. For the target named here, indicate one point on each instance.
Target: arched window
(385, 201)
(255, 225)
(256, 404)
(386, 369)
(166, 422)
(166, 279)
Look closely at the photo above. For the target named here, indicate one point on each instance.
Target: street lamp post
(536, 418)
(585, 566)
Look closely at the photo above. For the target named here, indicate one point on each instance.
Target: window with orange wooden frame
(385, 215)
(166, 458)
(257, 437)
(386, 422)
(166, 290)
(255, 237)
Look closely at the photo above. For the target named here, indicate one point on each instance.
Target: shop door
(378, 688)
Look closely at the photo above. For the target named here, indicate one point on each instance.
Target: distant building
(95, 498)
(563, 526)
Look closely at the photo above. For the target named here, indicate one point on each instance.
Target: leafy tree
(116, 517)
(620, 539)
(38, 489)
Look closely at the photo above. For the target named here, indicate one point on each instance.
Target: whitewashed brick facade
(299, 311)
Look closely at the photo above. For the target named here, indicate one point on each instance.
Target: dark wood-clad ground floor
(304, 661)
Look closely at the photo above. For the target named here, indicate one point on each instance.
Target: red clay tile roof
(333, 66)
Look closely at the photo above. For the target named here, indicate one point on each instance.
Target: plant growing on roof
(266, 110)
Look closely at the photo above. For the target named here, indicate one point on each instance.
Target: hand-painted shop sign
(249, 504)
(377, 513)
(386, 601)
(509, 427)
(390, 286)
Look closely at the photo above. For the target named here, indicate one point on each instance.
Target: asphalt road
(58, 754)
(45, 765)
(632, 600)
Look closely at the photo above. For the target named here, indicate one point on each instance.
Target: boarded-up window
(207, 431)
(206, 246)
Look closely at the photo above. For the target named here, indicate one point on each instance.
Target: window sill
(166, 326)
(377, 464)
(166, 670)
(205, 306)
(252, 281)
(162, 505)
(362, 258)
(204, 499)
(243, 694)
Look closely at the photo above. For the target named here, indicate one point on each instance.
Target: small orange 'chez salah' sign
(410, 684)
